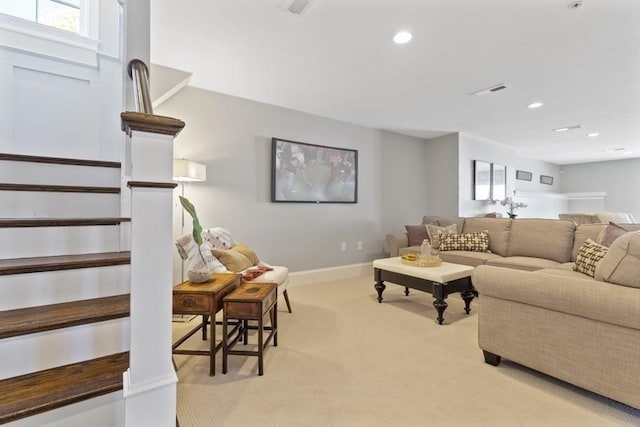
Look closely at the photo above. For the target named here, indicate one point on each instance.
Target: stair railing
(139, 73)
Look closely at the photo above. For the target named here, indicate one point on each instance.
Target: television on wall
(309, 173)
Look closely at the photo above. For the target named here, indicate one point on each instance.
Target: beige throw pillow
(434, 232)
(246, 251)
(233, 260)
(621, 264)
(588, 257)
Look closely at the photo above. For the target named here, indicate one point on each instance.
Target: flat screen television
(309, 173)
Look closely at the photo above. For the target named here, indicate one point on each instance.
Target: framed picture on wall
(308, 173)
(544, 179)
(524, 175)
(498, 182)
(481, 180)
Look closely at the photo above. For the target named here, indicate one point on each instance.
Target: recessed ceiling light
(564, 129)
(626, 153)
(402, 37)
(593, 134)
(534, 105)
(614, 150)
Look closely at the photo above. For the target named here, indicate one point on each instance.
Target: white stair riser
(36, 204)
(101, 411)
(53, 287)
(35, 352)
(49, 241)
(54, 174)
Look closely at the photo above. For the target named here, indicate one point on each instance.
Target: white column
(150, 382)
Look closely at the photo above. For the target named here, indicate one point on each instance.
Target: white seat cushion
(279, 275)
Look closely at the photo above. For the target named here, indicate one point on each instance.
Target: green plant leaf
(197, 228)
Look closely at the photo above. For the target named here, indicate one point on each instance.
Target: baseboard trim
(308, 277)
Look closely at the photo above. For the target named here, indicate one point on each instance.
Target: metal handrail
(139, 73)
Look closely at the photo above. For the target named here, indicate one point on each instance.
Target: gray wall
(441, 161)
(543, 204)
(232, 136)
(620, 179)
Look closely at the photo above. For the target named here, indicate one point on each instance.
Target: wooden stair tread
(59, 188)
(42, 391)
(62, 262)
(59, 222)
(58, 160)
(42, 318)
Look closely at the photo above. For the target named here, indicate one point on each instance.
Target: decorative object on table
(524, 175)
(196, 275)
(512, 206)
(187, 171)
(544, 179)
(308, 173)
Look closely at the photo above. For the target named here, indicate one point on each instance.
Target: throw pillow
(188, 250)
(610, 233)
(620, 264)
(218, 238)
(474, 242)
(589, 255)
(434, 231)
(247, 251)
(233, 260)
(416, 234)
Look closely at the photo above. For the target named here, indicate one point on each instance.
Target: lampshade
(186, 170)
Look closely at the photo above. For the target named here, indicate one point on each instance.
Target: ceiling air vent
(298, 7)
(492, 89)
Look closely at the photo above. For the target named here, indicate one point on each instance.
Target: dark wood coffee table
(440, 281)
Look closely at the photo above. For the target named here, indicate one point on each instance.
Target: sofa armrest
(395, 242)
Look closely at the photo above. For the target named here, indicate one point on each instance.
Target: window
(62, 14)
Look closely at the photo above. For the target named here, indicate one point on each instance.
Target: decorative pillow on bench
(588, 257)
(473, 242)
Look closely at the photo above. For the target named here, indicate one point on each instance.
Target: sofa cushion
(605, 302)
(588, 257)
(416, 234)
(498, 228)
(522, 263)
(473, 242)
(434, 231)
(473, 259)
(541, 238)
(621, 264)
(582, 233)
(564, 270)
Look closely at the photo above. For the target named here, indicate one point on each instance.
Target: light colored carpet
(344, 360)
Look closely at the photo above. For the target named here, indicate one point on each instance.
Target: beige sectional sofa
(541, 313)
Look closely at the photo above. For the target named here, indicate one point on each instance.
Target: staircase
(64, 283)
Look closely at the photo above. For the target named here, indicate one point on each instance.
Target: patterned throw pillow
(474, 242)
(435, 231)
(589, 255)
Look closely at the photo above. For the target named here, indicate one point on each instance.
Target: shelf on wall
(586, 195)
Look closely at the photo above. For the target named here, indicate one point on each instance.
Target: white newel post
(149, 385)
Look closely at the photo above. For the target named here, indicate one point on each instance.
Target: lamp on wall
(187, 171)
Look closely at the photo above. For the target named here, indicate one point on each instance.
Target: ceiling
(338, 60)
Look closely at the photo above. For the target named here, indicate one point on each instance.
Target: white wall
(472, 148)
(232, 136)
(620, 179)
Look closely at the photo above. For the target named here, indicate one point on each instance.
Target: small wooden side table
(250, 301)
(204, 299)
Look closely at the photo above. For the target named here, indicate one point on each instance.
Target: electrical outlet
(359, 245)
(343, 246)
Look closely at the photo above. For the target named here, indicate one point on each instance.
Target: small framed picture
(524, 175)
(544, 179)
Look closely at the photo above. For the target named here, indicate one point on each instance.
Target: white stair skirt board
(307, 277)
